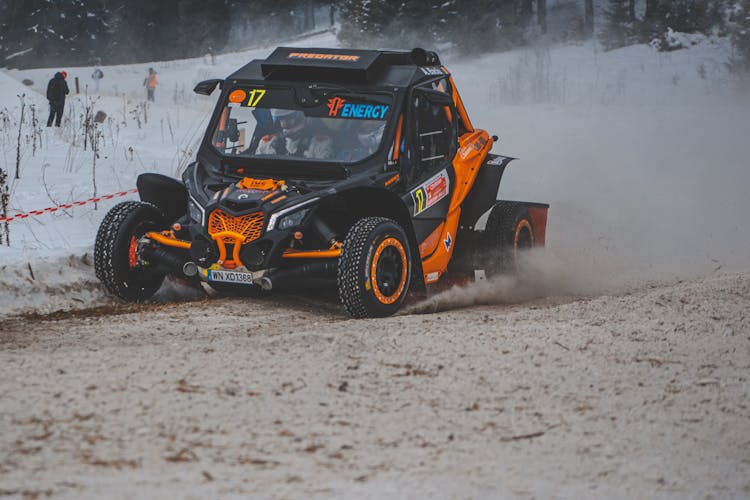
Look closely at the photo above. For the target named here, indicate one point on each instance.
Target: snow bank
(43, 282)
(37, 282)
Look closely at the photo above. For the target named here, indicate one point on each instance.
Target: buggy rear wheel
(116, 260)
(374, 268)
(509, 231)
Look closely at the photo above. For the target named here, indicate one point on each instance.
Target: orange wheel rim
(133, 253)
(523, 224)
(385, 246)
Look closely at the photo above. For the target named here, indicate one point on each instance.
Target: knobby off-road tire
(374, 269)
(509, 231)
(115, 259)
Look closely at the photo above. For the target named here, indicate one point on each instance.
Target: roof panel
(352, 64)
(341, 66)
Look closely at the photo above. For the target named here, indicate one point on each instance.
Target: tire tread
(108, 238)
(497, 239)
(349, 273)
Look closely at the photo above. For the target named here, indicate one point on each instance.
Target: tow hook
(190, 269)
(266, 283)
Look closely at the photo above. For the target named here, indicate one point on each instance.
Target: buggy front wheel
(374, 268)
(116, 260)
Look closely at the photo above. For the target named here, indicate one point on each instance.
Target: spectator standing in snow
(150, 84)
(57, 89)
(97, 75)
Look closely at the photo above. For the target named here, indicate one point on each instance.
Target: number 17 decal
(255, 96)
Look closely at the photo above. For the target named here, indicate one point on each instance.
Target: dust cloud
(643, 194)
(540, 274)
(649, 189)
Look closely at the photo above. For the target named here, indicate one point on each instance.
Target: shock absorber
(325, 231)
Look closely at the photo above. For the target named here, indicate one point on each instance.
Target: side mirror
(206, 87)
(436, 97)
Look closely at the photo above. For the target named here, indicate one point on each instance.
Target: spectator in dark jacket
(57, 89)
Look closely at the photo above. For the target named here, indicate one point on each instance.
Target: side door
(434, 144)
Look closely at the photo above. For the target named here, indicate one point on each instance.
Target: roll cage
(403, 76)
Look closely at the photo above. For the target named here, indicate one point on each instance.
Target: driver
(295, 137)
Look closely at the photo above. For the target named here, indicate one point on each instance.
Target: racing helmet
(291, 121)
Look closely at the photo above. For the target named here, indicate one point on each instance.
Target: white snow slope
(642, 156)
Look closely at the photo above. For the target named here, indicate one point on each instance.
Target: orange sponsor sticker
(260, 184)
(326, 57)
(238, 95)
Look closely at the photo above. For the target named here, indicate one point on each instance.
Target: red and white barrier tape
(65, 206)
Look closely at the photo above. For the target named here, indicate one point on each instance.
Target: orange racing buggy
(354, 167)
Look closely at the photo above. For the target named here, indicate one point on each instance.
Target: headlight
(289, 217)
(196, 211)
(293, 219)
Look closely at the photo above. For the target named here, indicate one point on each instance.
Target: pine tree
(201, 25)
(689, 16)
(53, 31)
(741, 36)
(254, 21)
(588, 17)
(380, 23)
(68, 30)
(619, 26)
(501, 26)
(685, 16)
(654, 22)
(472, 27)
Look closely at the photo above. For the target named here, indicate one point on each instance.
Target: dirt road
(639, 395)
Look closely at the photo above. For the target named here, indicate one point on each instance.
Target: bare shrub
(4, 202)
(22, 98)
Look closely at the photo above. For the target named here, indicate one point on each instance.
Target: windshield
(270, 124)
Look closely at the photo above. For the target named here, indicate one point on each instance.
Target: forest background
(48, 33)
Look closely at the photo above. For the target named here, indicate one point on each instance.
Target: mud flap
(483, 194)
(481, 198)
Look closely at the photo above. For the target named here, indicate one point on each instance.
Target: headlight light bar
(196, 211)
(281, 213)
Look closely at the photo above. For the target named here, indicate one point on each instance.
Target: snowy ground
(618, 368)
(643, 395)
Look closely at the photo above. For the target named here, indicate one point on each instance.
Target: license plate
(239, 277)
